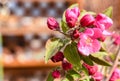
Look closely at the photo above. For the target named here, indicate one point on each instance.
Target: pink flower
(115, 75)
(72, 16)
(76, 34)
(103, 22)
(97, 76)
(58, 57)
(52, 23)
(87, 45)
(56, 74)
(66, 65)
(87, 20)
(91, 69)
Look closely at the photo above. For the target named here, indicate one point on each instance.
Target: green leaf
(72, 55)
(52, 46)
(64, 26)
(86, 79)
(103, 46)
(50, 78)
(85, 71)
(74, 74)
(86, 59)
(91, 79)
(112, 56)
(74, 5)
(66, 41)
(99, 58)
(65, 79)
(82, 13)
(69, 77)
(108, 12)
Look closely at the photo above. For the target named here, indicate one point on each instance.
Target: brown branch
(114, 65)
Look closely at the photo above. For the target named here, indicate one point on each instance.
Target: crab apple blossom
(58, 57)
(56, 74)
(115, 75)
(97, 76)
(86, 45)
(91, 69)
(82, 43)
(103, 22)
(66, 65)
(52, 23)
(71, 16)
(87, 20)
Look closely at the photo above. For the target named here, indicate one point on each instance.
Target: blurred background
(23, 34)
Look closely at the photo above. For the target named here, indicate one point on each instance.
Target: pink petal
(107, 33)
(88, 46)
(97, 33)
(89, 31)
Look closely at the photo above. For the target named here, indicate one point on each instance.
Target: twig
(64, 34)
(114, 65)
(82, 78)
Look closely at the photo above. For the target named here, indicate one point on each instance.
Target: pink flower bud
(115, 75)
(91, 69)
(102, 19)
(72, 16)
(52, 23)
(66, 65)
(117, 40)
(76, 11)
(58, 57)
(87, 20)
(103, 38)
(56, 74)
(76, 34)
(97, 76)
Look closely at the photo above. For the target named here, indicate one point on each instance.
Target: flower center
(88, 41)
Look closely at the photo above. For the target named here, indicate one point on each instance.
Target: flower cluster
(95, 29)
(65, 64)
(83, 37)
